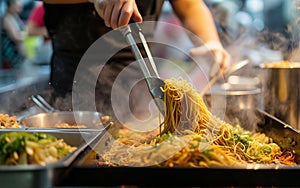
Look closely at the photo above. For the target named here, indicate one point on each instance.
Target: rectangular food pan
(45, 176)
(88, 172)
(67, 121)
(22, 128)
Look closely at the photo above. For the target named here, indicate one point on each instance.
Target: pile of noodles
(191, 136)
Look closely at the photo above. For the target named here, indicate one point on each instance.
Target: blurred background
(260, 30)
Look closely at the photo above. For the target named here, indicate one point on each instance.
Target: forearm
(197, 18)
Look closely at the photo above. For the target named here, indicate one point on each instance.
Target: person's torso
(75, 27)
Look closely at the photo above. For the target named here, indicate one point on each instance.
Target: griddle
(85, 173)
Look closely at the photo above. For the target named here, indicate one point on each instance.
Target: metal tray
(86, 172)
(89, 175)
(47, 120)
(22, 128)
(45, 176)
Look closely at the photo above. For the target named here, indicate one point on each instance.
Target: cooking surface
(256, 175)
(87, 171)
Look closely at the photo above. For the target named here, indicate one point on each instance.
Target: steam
(242, 40)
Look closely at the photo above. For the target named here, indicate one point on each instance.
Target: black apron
(73, 29)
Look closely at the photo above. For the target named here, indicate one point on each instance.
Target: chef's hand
(221, 56)
(117, 13)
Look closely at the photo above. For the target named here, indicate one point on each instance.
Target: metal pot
(233, 105)
(281, 92)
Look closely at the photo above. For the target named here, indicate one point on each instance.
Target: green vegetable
(16, 142)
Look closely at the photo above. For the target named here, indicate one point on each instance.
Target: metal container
(64, 120)
(32, 176)
(235, 105)
(281, 92)
(92, 120)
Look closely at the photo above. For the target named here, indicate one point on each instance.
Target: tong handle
(147, 49)
(154, 83)
(127, 32)
(42, 103)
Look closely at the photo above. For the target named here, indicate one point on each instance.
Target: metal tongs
(148, 67)
(42, 103)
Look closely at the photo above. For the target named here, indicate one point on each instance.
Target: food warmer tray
(47, 121)
(86, 172)
(32, 176)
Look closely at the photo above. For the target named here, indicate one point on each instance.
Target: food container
(85, 120)
(32, 176)
(64, 120)
(281, 91)
(235, 103)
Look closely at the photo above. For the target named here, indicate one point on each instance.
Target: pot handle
(42, 103)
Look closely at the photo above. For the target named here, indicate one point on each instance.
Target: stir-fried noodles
(191, 136)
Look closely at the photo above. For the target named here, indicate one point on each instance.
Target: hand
(221, 56)
(117, 13)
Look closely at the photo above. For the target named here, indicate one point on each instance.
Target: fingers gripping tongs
(148, 67)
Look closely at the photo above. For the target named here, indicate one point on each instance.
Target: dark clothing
(73, 29)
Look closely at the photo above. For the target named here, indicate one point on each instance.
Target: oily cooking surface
(193, 138)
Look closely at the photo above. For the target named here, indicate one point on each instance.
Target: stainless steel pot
(281, 92)
(235, 106)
